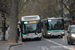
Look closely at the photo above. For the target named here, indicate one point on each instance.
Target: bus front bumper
(52, 35)
(32, 37)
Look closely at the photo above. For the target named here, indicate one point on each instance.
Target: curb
(7, 48)
(4, 47)
(11, 45)
(15, 44)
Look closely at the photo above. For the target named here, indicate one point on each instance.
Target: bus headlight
(73, 35)
(62, 32)
(49, 33)
(40, 35)
(23, 36)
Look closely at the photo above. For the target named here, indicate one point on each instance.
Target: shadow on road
(55, 37)
(30, 40)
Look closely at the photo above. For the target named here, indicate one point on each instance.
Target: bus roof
(31, 17)
(54, 18)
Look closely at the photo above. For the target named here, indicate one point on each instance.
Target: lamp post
(3, 22)
(4, 28)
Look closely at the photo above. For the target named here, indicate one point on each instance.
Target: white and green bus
(31, 27)
(53, 27)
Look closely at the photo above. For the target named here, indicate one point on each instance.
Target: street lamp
(3, 22)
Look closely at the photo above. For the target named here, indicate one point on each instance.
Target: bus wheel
(39, 39)
(71, 43)
(60, 36)
(22, 40)
(43, 36)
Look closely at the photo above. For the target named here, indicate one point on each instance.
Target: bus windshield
(55, 24)
(31, 28)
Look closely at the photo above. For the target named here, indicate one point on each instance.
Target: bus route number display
(30, 22)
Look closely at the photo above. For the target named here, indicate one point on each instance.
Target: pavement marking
(66, 47)
(44, 48)
(55, 46)
(53, 42)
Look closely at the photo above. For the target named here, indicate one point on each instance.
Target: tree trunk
(13, 22)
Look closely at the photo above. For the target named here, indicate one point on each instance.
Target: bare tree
(12, 8)
(13, 22)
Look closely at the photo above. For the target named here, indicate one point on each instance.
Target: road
(45, 44)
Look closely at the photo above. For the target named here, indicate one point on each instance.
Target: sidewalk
(4, 46)
(7, 46)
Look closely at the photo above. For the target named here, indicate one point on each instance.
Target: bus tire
(61, 36)
(43, 36)
(39, 38)
(71, 43)
(22, 40)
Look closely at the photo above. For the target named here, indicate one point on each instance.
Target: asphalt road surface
(45, 44)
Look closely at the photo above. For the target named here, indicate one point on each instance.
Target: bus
(31, 27)
(53, 27)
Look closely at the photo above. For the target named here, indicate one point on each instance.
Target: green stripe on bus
(40, 33)
(55, 30)
(23, 34)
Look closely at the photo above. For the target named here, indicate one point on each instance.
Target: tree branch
(4, 9)
(23, 5)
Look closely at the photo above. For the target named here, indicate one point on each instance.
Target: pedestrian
(19, 31)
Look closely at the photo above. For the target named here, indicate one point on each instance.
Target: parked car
(71, 34)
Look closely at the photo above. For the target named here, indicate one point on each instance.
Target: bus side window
(45, 25)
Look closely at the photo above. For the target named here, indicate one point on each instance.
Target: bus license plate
(31, 34)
